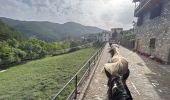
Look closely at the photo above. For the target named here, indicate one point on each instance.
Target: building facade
(153, 28)
(104, 36)
(116, 30)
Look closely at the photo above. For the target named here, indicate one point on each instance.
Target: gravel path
(148, 80)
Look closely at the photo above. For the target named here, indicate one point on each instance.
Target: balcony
(144, 6)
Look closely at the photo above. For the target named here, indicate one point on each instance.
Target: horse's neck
(123, 85)
(116, 52)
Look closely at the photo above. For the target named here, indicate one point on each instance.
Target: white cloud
(101, 13)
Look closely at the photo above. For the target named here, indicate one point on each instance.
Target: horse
(118, 64)
(110, 44)
(118, 89)
(113, 44)
(117, 72)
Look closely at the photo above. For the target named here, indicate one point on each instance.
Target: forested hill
(7, 32)
(50, 31)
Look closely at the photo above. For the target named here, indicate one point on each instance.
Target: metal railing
(78, 78)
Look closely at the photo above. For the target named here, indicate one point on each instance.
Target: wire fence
(70, 89)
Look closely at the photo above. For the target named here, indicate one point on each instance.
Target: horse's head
(118, 89)
(110, 44)
(112, 52)
(113, 49)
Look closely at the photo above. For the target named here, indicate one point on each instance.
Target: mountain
(50, 31)
(7, 32)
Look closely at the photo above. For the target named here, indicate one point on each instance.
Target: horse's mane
(116, 68)
(114, 50)
(122, 92)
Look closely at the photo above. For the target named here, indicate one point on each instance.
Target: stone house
(153, 28)
(116, 30)
(104, 36)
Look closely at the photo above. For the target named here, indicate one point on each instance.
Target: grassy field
(40, 79)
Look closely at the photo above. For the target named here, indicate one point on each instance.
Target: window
(152, 43)
(140, 21)
(156, 11)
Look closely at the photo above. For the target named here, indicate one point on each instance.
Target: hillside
(50, 31)
(7, 32)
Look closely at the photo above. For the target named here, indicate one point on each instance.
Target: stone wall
(158, 28)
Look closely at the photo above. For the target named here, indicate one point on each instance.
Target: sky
(104, 14)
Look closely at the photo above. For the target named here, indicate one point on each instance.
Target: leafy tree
(33, 47)
(9, 54)
(13, 51)
(50, 48)
(74, 43)
(13, 42)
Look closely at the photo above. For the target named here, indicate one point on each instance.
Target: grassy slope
(40, 79)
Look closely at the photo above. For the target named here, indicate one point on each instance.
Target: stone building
(153, 28)
(104, 36)
(116, 30)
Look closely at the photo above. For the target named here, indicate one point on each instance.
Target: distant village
(107, 36)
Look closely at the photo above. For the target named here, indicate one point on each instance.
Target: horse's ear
(107, 74)
(111, 51)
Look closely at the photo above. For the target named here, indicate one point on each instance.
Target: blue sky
(101, 13)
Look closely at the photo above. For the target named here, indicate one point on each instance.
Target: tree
(9, 54)
(34, 48)
(13, 42)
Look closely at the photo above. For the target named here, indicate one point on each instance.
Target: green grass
(41, 79)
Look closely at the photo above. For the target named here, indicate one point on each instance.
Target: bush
(127, 36)
(21, 54)
(74, 43)
(13, 51)
(34, 48)
(74, 49)
(10, 54)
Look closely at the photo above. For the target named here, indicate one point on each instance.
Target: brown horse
(117, 72)
(118, 65)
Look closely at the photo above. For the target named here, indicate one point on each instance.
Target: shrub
(9, 54)
(74, 49)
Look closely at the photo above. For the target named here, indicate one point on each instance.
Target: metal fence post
(94, 59)
(97, 55)
(75, 88)
(89, 66)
